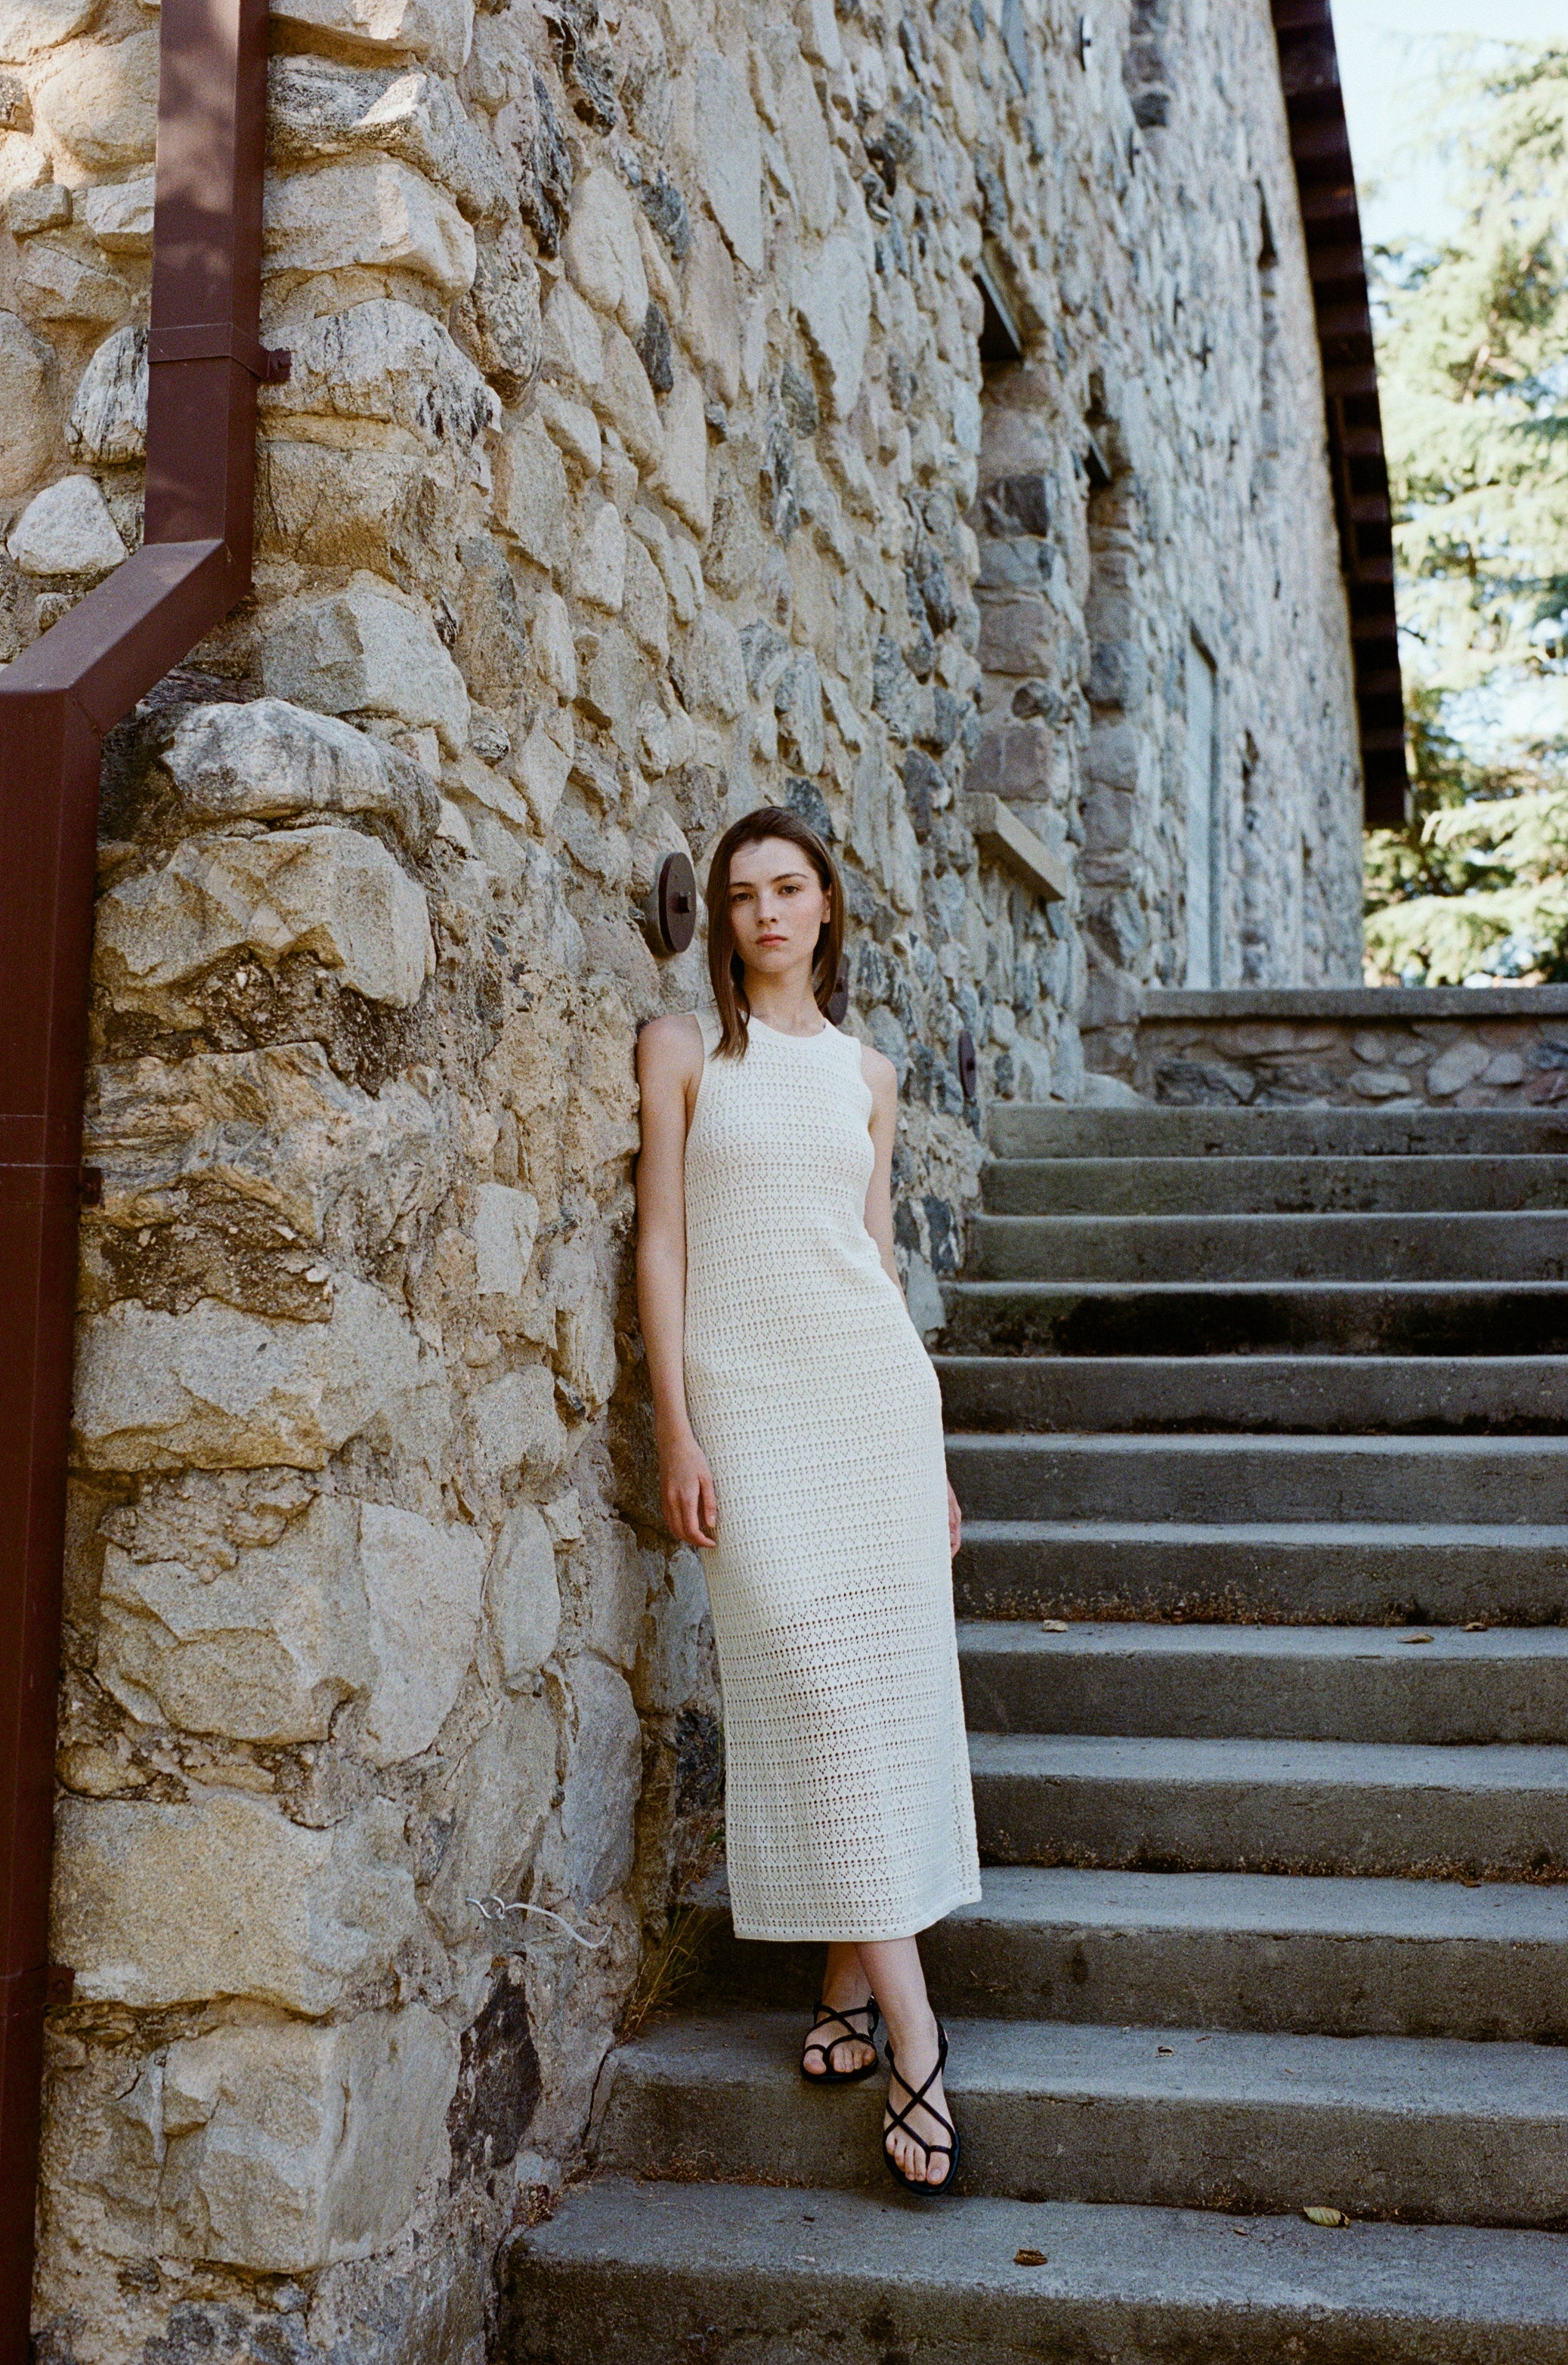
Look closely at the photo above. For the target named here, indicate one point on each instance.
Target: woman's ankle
(912, 2032)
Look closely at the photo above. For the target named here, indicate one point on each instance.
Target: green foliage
(1473, 362)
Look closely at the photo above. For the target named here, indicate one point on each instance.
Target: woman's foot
(920, 2146)
(838, 2044)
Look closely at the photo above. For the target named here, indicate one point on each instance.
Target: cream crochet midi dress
(849, 1812)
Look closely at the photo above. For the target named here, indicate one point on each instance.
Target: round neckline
(826, 1028)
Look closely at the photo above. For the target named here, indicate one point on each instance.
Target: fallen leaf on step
(1165, 2048)
(1416, 1637)
(1053, 1625)
(1326, 2216)
(1476, 1626)
(1242, 2230)
(1030, 2258)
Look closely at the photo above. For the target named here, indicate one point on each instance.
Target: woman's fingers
(691, 1509)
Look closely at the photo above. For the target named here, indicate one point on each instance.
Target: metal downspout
(56, 701)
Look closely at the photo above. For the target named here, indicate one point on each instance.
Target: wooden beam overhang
(1321, 150)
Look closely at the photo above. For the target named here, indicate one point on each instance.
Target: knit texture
(849, 1814)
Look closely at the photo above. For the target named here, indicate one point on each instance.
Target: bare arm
(670, 1069)
(882, 1077)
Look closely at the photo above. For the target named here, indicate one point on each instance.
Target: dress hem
(797, 1935)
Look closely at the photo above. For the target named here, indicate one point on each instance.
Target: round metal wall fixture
(672, 906)
(968, 1066)
(839, 999)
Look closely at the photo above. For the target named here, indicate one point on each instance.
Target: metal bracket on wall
(969, 1065)
(219, 340)
(671, 906)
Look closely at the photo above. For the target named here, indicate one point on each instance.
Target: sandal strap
(899, 2118)
(825, 2014)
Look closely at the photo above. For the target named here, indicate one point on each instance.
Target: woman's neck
(785, 1003)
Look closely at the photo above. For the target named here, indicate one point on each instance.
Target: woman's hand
(686, 1490)
(955, 1521)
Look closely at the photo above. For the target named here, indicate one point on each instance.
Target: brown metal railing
(56, 702)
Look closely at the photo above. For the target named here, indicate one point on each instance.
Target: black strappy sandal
(900, 2121)
(827, 2075)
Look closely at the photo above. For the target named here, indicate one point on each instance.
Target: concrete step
(1023, 1131)
(1317, 1394)
(1257, 1318)
(1521, 1247)
(1490, 1481)
(1303, 1573)
(1238, 1186)
(1335, 1958)
(650, 2273)
(1434, 2130)
(1142, 1803)
(1432, 1685)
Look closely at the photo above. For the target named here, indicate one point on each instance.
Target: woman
(800, 1439)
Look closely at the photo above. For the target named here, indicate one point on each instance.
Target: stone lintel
(1000, 833)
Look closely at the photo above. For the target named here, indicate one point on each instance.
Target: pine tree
(1473, 363)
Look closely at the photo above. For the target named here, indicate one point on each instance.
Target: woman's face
(778, 906)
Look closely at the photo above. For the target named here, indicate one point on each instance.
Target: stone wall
(1373, 1046)
(1160, 525)
(638, 462)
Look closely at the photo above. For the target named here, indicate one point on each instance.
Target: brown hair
(725, 969)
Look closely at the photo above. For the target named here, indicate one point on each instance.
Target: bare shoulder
(669, 1049)
(879, 1073)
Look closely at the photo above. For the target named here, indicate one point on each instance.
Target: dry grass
(667, 1970)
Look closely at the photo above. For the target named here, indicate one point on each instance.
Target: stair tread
(1289, 1219)
(1498, 1646)
(1276, 1905)
(1061, 1286)
(1411, 1131)
(1308, 1362)
(1409, 1534)
(1547, 1166)
(741, 2244)
(1518, 1244)
(1550, 1162)
(1495, 1765)
(1118, 1444)
(1051, 2060)
(1254, 1395)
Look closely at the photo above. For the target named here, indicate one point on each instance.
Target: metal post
(56, 701)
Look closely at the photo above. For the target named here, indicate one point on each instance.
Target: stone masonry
(650, 450)
(1358, 1047)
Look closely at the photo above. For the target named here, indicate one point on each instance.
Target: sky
(1386, 53)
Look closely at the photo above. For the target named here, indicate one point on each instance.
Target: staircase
(1270, 1407)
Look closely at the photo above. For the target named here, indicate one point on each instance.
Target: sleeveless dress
(849, 1812)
